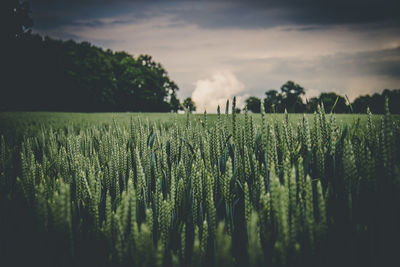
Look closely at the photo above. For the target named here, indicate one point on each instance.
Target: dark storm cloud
(334, 12)
(380, 62)
(269, 13)
(50, 14)
(385, 62)
(224, 13)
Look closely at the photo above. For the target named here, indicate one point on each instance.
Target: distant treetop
(291, 100)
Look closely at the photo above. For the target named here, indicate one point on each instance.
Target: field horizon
(162, 189)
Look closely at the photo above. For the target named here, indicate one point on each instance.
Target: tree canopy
(331, 102)
(48, 74)
(290, 99)
(376, 102)
(42, 73)
(189, 104)
(291, 96)
(272, 101)
(17, 16)
(253, 104)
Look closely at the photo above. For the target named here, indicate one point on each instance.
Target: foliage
(175, 104)
(375, 102)
(189, 104)
(331, 101)
(46, 74)
(17, 16)
(292, 101)
(289, 99)
(253, 104)
(272, 101)
(190, 192)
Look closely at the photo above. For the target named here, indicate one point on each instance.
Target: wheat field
(199, 190)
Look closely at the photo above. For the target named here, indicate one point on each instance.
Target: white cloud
(223, 85)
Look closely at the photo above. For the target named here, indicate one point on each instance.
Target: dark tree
(376, 102)
(361, 103)
(329, 100)
(292, 100)
(272, 101)
(16, 24)
(41, 73)
(312, 104)
(17, 17)
(189, 104)
(47, 74)
(394, 100)
(175, 104)
(253, 104)
(292, 88)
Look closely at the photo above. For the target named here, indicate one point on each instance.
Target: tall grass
(195, 193)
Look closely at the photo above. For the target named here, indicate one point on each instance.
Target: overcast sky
(215, 49)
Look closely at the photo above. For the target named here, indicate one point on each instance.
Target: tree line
(290, 99)
(42, 73)
(48, 74)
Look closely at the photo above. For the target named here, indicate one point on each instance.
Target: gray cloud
(270, 13)
(50, 14)
(226, 13)
(384, 62)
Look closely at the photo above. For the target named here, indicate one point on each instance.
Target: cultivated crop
(195, 193)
